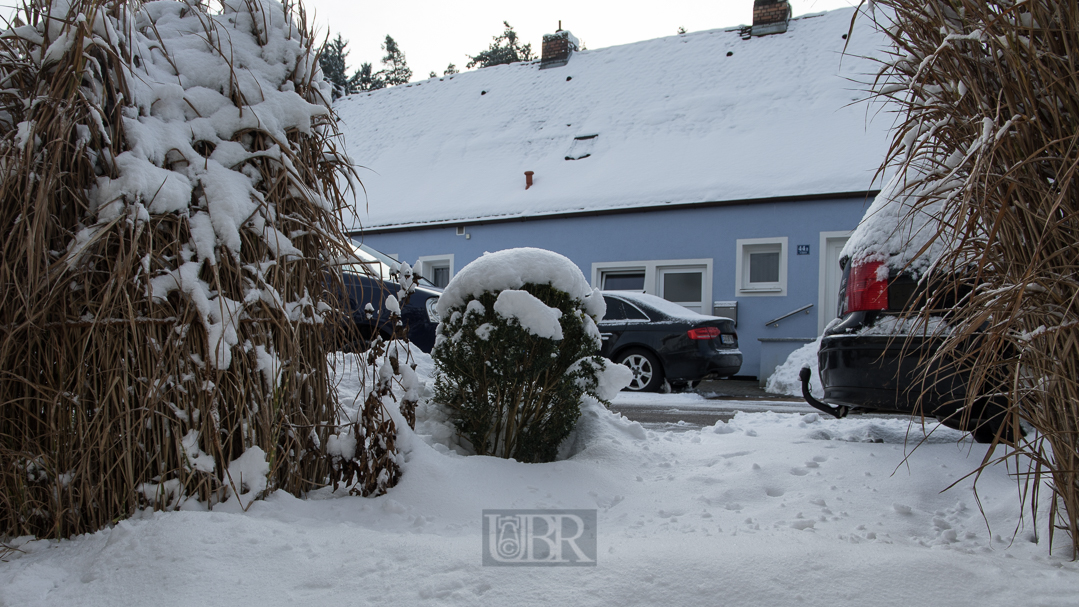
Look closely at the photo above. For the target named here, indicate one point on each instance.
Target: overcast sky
(435, 33)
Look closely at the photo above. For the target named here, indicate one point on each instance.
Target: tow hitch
(838, 411)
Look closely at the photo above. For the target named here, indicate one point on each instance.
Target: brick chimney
(557, 48)
(770, 17)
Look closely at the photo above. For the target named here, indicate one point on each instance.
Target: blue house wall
(700, 232)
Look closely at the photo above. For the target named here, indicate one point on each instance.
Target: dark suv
(872, 358)
(369, 282)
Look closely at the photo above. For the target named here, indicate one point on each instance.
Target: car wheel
(985, 424)
(647, 373)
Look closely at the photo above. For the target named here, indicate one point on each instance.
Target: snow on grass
(767, 509)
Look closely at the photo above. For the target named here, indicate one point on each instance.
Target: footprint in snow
(735, 454)
(608, 502)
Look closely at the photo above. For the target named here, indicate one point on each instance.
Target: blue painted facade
(698, 232)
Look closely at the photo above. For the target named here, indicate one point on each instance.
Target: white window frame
(620, 267)
(426, 264)
(744, 246)
(652, 275)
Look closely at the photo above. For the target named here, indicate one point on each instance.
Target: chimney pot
(528, 178)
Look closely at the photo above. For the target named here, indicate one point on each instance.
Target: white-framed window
(761, 266)
(687, 282)
(623, 279)
(436, 268)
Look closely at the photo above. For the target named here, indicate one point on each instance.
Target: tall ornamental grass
(171, 209)
(987, 141)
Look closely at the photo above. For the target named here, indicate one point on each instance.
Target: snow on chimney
(557, 48)
(770, 16)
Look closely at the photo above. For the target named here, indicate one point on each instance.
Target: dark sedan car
(874, 359)
(664, 343)
(369, 282)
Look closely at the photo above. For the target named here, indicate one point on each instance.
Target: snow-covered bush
(171, 206)
(517, 350)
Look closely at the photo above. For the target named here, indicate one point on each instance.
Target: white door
(830, 274)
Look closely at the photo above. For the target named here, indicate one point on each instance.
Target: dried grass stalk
(988, 144)
(117, 390)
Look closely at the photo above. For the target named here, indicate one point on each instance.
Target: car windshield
(375, 262)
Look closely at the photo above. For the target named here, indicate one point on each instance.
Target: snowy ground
(768, 509)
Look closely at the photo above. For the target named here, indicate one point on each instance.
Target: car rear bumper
(690, 368)
(886, 373)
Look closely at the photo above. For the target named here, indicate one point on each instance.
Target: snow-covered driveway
(691, 411)
(768, 509)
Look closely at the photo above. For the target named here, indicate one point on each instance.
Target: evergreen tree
(332, 62)
(334, 68)
(451, 70)
(364, 80)
(396, 70)
(507, 48)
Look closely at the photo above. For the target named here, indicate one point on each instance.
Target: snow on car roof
(895, 229)
(661, 305)
(700, 117)
(370, 261)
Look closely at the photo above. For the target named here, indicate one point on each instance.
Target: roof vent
(557, 48)
(581, 147)
(770, 16)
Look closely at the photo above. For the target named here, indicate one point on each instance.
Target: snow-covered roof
(700, 117)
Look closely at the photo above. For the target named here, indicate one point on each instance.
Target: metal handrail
(775, 321)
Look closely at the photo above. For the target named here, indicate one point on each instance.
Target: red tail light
(867, 287)
(704, 333)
